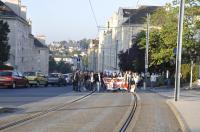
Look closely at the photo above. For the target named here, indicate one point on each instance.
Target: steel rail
(130, 117)
(43, 113)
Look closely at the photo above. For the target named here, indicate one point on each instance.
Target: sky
(72, 19)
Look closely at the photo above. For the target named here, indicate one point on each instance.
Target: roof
(6, 11)
(128, 12)
(38, 44)
(139, 15)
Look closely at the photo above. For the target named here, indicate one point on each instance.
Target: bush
(185, 71)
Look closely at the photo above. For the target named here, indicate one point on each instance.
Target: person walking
(97, 81)
(91, 81)
(75, 81)
(136, 79)
(153, 80)
(129, 80)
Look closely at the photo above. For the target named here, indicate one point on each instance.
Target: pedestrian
(91, 81)
(136, 78)
(97, 80)
(75, 81)
(129, 80)
(153, 80)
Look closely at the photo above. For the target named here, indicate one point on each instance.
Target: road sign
(175, 50)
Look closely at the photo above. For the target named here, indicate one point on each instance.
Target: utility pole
(147, 51)
(179, 49)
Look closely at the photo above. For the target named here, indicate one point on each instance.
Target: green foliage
(4, 47)
(133, 59)
(61, 67)
(185, 72)
(52, 64)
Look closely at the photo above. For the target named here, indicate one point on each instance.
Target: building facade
(119, 33)
(21, 40)
(93, 55)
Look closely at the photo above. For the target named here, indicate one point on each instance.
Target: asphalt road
(101, 112)
(155, 115)
(20, 96)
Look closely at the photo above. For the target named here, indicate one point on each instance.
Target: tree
(133, 58)
(52, 65)
(4, 47)
(63, 67)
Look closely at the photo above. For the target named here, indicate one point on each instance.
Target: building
(41, 55)
(119, 33)
(93, 55)
(21, 40)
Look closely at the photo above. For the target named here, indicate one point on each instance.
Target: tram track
(131, 114)
(31, 117)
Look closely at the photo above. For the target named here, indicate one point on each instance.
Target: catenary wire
(93, 13)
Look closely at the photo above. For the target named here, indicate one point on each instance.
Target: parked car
(36, 78)
(56, 79)
(68, 78)
(13, 79)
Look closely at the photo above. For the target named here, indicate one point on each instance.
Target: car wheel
(14, 85)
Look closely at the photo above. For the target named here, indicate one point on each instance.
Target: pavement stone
(187, 109)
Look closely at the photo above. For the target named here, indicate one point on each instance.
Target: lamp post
(147, 51)
(179, 49)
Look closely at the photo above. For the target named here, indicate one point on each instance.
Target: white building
(119, 34)
(93, 55)
(21, 40)
(41, 55)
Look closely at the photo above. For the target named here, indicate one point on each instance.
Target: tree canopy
(163, 38)
(4, 47)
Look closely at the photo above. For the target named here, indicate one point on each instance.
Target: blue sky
(72, 19)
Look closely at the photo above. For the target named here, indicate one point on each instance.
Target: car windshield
(29, 74)
(5, 74)
(53, 75)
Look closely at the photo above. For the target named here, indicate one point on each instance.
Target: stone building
(93, 55)
(21, 40)
(119, 33)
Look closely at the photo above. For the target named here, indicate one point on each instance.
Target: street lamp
(179, 49)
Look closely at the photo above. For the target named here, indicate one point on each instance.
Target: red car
(12, 79)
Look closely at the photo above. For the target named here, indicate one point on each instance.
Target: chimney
(15, 5)
(23, 12)
(42, 39)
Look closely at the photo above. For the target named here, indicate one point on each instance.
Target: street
(105, 111)
(20, 96)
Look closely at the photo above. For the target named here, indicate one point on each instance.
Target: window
(20, 74)
(15, 74)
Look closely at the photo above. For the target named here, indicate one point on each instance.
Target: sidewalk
(186, 110)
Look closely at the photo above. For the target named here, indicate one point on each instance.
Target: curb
(136, 115)
(184, 126)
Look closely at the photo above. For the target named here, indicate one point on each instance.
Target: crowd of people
(85, 80)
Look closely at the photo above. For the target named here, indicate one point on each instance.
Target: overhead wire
(93, 13)
(137, 4)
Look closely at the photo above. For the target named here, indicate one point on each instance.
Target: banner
(115, 83)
